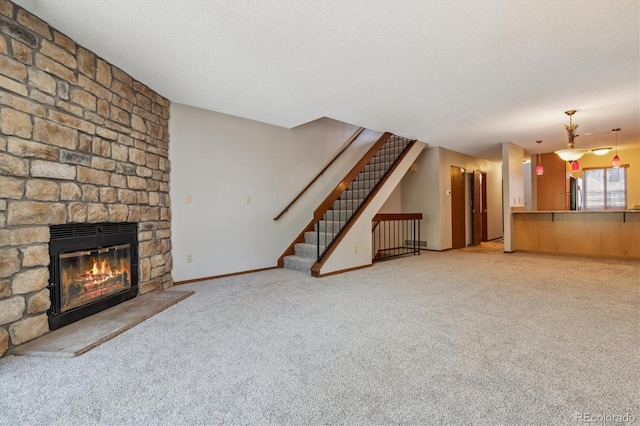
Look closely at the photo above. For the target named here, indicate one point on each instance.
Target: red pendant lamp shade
(539, 168)
(575, 166)
(615, 163)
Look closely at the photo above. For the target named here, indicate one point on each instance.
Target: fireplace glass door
(90, 275)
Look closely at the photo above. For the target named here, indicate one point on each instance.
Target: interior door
(476, 209)
(484, 207)
(458, 239)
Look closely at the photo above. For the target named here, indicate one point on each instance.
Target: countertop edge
(575, 211)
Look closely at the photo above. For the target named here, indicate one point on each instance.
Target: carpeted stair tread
(298, 263)
(312, 237)
(334, 225)
(337, 214)
(354, 195)
(307, 250)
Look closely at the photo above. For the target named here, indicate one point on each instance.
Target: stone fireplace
(82, 145)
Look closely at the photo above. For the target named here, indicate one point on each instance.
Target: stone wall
(80, 141)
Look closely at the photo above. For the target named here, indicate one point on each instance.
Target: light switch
(247, 199)
(187, 198)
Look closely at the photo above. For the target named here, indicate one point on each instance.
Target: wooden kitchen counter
(610, 233)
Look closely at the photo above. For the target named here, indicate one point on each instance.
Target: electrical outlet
(189, 258)
(247, 199)
(355, 249)
(187, 198)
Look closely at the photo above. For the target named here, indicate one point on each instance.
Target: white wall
(220, 160)
(513, 194)
(421, 194)
(394, 202)
(528, 182)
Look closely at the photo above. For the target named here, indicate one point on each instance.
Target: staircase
(343, 203)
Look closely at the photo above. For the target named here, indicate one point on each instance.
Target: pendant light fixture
(601, 151)
(571, 154)
(615, 163)
(539, 168)
(575, 166)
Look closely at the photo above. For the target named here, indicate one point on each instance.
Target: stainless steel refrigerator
(575, 193)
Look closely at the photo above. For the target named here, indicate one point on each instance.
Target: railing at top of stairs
(395, 234)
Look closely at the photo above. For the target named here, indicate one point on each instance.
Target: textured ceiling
(464, 75)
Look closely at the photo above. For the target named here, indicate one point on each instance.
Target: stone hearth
(84, 335)
(80, 142)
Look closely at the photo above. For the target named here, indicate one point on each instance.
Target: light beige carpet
(442, 338)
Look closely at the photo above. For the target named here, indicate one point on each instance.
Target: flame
(94, 277)
(104, 271)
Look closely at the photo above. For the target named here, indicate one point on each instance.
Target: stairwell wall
(221, 160)
(421, 194)
(394, 202)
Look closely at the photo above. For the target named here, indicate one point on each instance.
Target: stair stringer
(343, 258)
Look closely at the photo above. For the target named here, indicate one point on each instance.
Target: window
(605, 189)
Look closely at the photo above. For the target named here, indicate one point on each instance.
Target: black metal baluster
(318, 241)
(394, 247)
(418, 237)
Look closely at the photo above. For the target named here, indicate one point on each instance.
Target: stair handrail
(350, 177)
(347, 145)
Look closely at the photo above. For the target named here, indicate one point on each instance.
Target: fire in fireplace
(93, 267)
(94, 274)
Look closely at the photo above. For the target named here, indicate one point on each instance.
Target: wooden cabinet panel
(606, 234)
(551, 193)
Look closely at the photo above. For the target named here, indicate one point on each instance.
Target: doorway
(483, 175)
(479, 208)
(458, 230)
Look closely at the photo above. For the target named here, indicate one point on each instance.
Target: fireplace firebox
(94, 266)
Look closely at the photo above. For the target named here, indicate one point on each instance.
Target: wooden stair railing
(351, 176)
(383, 217)
(347, 145)
(396, 229)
